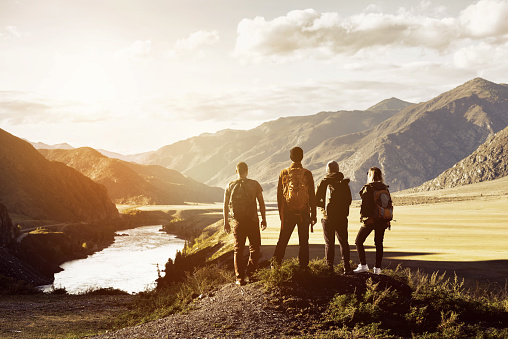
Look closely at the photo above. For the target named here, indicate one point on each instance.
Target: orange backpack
(295, 189)
(383, 208)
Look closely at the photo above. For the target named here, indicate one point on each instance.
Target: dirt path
(230, 312)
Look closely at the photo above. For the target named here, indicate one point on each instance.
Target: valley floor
(462, 236)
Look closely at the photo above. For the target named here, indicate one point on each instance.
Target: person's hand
(227, 228)
(313, 221)
(263, 225)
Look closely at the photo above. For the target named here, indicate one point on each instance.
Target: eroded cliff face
(6, 227)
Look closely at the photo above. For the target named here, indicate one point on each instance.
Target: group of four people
(297, 202)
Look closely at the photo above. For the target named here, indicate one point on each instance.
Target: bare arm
(227, 228)
(280, 196)
(262, 210)
(312, 199)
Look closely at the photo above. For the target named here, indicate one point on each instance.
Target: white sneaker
(361, 268)
(377, 270)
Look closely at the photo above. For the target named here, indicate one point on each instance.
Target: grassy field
(461, 230)
(466, 237)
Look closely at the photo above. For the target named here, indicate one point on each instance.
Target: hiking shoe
(377, 270)
(241, 282)
(348, 272)
(361, 268)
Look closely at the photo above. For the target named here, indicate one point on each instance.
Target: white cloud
(11, 32)
(193, 45)
(18, 108)
(268, 102)
(138, 49)
(480, 56)
(307, 33)
(485, 19)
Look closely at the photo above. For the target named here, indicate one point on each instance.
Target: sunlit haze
(131, 76)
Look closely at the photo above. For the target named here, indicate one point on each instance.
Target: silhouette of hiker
(335, 213)
(375, 214)
(240, 199)
(297, 206)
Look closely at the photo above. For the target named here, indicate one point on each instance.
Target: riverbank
(41, 246)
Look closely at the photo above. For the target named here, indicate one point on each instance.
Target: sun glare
(89, 82)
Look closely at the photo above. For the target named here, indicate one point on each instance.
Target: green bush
(436, 307)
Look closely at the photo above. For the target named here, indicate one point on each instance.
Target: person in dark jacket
(335, 213)
(375, 182)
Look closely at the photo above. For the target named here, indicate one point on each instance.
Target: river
(129, 264)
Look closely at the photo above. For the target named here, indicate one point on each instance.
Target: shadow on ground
(485, 272)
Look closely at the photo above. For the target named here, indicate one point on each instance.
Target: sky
(131, 76)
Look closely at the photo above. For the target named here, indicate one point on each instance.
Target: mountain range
(488, 162)
(411, 143)
(211, 158)
(36, 188)
(130, 183)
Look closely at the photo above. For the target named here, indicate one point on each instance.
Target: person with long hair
(370, 222)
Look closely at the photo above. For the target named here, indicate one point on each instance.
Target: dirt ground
(57, 316)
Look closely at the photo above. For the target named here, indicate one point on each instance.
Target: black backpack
(340, 196)
(239, 201)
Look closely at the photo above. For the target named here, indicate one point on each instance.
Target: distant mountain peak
(482, 88)
(390, 104)
(41, 145)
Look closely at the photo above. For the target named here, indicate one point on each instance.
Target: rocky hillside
(32, 186)
(211, 158)
(6, 228)
(130, 183)
(488, 162)
(412, 145)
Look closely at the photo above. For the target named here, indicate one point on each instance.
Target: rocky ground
(252, 312)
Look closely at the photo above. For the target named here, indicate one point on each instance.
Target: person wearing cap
(296, 202)
(335, 213)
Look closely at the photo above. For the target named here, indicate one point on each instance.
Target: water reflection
(130, 264)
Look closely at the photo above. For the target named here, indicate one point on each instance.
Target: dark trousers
(336, 227)
(242, 231)
(363, 233)
(289, 221)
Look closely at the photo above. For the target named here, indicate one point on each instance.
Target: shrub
(9, 286)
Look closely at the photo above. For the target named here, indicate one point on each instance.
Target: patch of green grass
(104, 291)
(437, 307)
